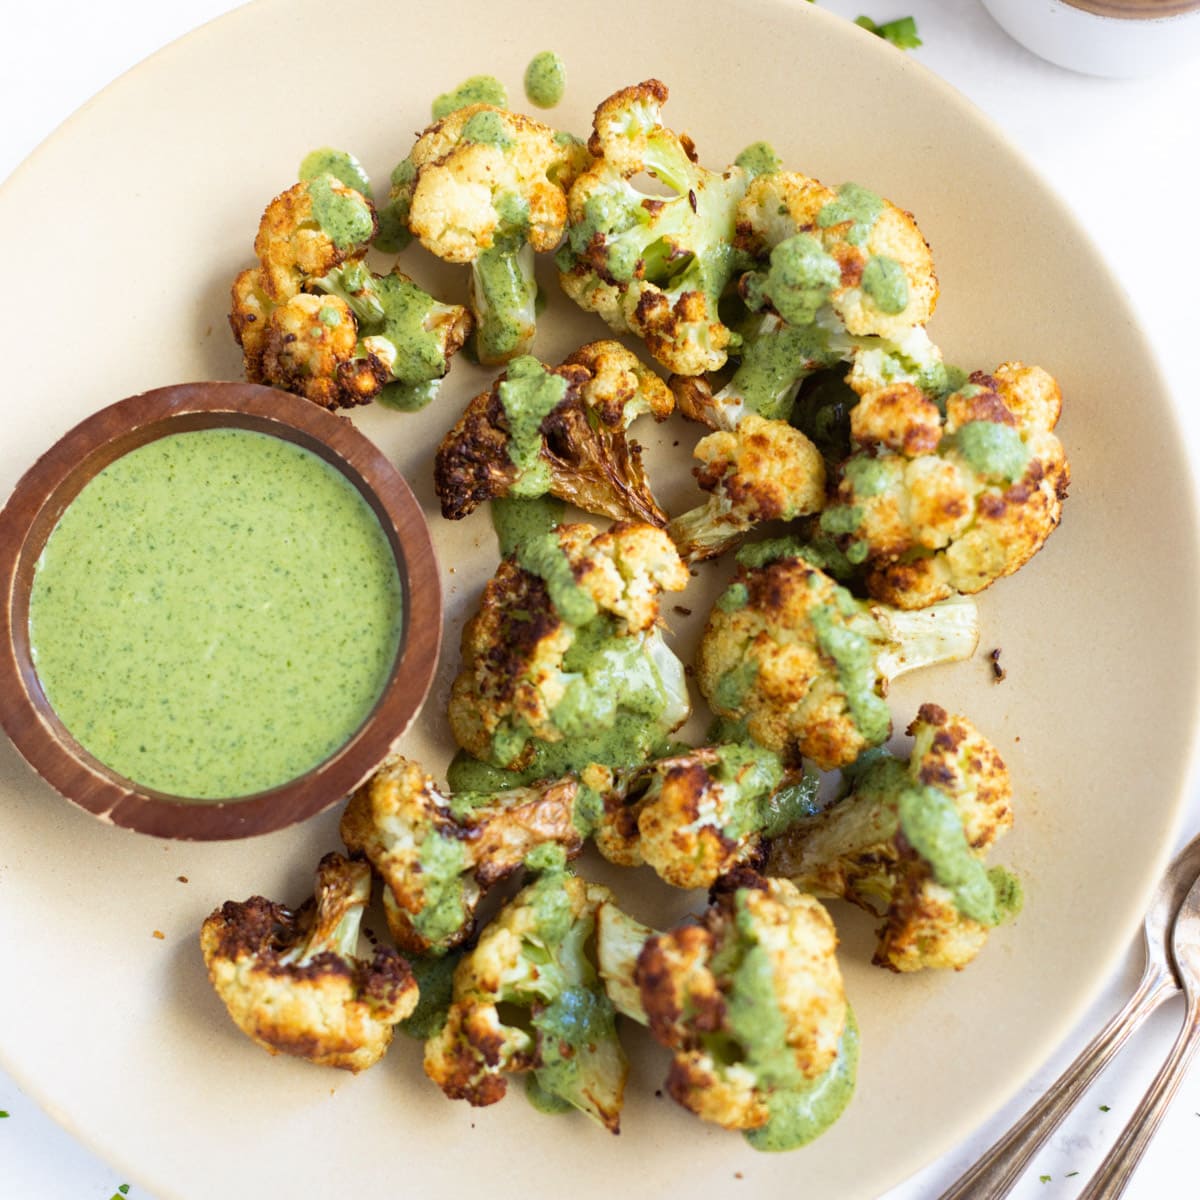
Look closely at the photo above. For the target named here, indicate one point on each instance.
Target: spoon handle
(1118, 1166)
(996, 1173)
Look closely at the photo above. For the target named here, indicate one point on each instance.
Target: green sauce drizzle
(993, 449)
(545, 79)
(345, 220)
(802, 1113)
(855, 204)
(479, 89)
(342, 165)
(884, 281)
(528, 395)
(759, 158)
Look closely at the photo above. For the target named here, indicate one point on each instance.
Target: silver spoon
(1118, 1166)
(997, 1172)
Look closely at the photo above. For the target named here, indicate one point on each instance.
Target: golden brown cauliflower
(307, 231)
(487, 187)
(557, 430)
(313, 319)
(939, 499)
(696, 815)
(749, 1000)
(652, 264)
(565, 649)
(528, 998)
(439, 854)
(805, 666)
(879, 279)
(762, 471)
(291, 979)
(907, 844)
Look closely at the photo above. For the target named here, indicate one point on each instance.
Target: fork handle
(996, 1173)
(1119, 1164)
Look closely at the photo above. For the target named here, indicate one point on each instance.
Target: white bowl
(1128, 46)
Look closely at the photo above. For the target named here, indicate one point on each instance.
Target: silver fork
(996, 1173)
(1119, 1164)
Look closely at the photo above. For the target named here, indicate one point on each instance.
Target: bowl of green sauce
(221, 611)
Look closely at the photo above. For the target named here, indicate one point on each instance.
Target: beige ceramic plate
(150, 199)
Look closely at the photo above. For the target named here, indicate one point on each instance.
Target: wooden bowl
(54, 481)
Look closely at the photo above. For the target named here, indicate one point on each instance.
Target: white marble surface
(1125, 156)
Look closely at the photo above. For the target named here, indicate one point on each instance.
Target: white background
(1126, 157)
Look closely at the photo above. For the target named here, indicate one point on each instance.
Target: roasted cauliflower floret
(557, 430)
(565, 648)
(487, 187)
(694, 816)
(438, 854)
(945, 498)
(749, 1000)
(307, 231)
(313, 319)
(533, 959)
(840, 275)
(291, 979)
(648, 264)
(849, 248)
(806, 666)
(763, 471)
(907, 844)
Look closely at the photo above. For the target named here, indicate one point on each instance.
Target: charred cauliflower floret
(557, 430)
(565, 650)
(291, 979)
(849, 248)
(313, 319)
(528, 998)
(805, 665)
(749, 1000)
(762, 471)
(907, 844)
(838, 274)
(695, 816)
(652, 265)
(307, 231)
(487, 187)
(438, 854)
(945, 498)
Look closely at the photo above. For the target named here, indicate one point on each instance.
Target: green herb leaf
(3, 1114)
(1105, 1108)
(1043, 1179)
(902, 32)
(1072, 1174)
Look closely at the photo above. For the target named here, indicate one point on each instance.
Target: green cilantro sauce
(856, 204)
(854, 657)
(517, 521)
(442, 861)
(393, 233)
(435, 978)
(883, 279)
(759, 158)
(933, 826)
(545, 79)
(215, 613)
(345, 220)
(342, 165)
(479, 89)
(528, 394)
(803, 1112)
(871, 476)
(993, 449)
(487, 128)
(799, 280)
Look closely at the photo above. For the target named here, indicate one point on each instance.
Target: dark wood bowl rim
(41, 496)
